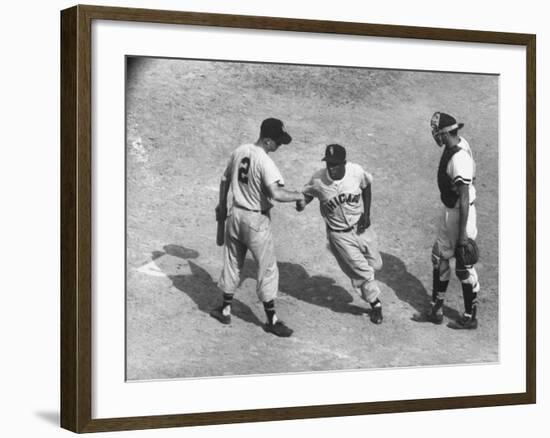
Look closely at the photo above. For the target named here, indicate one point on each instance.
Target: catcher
(457, 226)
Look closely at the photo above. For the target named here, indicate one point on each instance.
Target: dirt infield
(183, 120)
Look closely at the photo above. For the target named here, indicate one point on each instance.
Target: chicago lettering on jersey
(348, 198)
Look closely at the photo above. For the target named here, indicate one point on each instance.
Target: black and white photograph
(285, 218)
(275, 219)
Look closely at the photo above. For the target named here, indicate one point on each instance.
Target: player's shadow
(295, 281)
(406, 286)
(200, 286)
(318, 290)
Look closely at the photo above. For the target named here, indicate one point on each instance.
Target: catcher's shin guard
(470, 299)
(470, 287)
(441, 275)
(439, 287)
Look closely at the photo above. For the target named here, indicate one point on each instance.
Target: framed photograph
(270, 218)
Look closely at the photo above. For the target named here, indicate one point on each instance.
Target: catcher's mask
(442, 123)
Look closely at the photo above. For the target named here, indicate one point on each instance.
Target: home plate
(166, 266)
(152, 269)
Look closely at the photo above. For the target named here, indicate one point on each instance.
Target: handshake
(306, 197)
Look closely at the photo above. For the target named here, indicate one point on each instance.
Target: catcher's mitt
(467, 255)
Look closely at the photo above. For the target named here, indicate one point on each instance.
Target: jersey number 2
(243, 170)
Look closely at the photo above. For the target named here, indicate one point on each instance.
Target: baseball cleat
(278, 329)
(218, 314)
(435, 317)
(467, 322)
(376, 315)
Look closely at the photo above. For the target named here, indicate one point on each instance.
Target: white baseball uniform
(460, 169)
(341, 206)
(248, 226)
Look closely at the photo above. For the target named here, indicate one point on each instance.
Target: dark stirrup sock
(269, 307)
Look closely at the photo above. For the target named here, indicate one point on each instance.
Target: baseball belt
(264, 212)
(345, 230)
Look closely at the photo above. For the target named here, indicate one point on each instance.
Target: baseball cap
(335, 154)
(442, 122)
(275, 130)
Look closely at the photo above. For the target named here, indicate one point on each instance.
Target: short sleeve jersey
(462, 169)
(252, 170)
(340, 202)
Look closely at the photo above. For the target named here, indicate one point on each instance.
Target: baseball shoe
(433, 315)
(467, 322)
(376, 315)
(218, 314)
(278, 329)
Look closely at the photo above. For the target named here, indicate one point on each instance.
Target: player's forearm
(284, 195)
(367, 199)
(464, 210)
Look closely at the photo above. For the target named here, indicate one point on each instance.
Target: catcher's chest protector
(444, 181)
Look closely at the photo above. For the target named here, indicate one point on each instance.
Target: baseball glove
(467, 255)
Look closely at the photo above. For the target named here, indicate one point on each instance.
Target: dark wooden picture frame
(76, 218)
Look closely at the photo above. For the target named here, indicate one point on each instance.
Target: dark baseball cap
(335, 154)
(442, 122)
(275, 130)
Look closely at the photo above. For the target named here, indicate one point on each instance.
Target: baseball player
(255, 181)
(344, 193)
(457, 226)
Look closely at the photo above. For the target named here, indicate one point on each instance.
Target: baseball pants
(444, 246)
(247, 230)
(358, 257)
